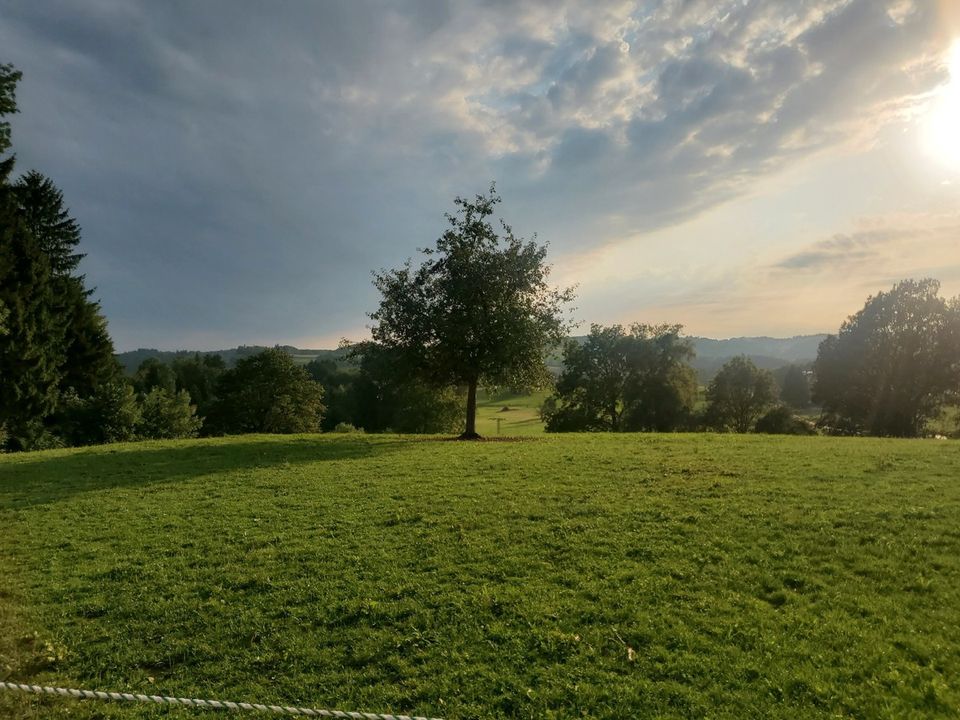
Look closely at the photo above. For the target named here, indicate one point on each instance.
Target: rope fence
(203, 704)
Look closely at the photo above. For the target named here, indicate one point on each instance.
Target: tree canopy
(477, 310)
(621, 381)
(893, 364)
(739, 394)
(267, 392)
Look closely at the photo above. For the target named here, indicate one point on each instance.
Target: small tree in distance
(477, 310)
(739, 394)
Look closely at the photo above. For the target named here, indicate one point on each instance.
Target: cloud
(841, 251)
(239, 167)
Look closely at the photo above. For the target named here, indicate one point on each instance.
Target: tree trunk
(471, 432)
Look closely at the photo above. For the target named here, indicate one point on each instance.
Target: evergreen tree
(89, 361)
(32, 349)
(9, 77)
(54, 337)
(43, 211)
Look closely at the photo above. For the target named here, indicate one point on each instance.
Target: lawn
(640, 576)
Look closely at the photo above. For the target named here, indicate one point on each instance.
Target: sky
(740, 167)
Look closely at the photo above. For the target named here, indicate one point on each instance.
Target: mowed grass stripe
(597, 576)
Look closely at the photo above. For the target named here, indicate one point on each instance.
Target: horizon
(331, 349)
(742, 169)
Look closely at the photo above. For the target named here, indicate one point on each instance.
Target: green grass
(518, 415)
(563, 577)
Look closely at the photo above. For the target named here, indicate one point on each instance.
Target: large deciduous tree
(477, 310)
(893, 364)
(385, 398)
(614, 380)
(739, 394)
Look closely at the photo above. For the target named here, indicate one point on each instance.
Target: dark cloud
(842, 251)
(239, 167)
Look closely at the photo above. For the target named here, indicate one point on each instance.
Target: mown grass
(576, 576)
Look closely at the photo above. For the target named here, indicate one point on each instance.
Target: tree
(780, 420)
(477, 310)
(32, 348)
(199, 375)
(109, 415)
(614, 380)
(739, 394)
(590, 390)
(381, 397)
(893, 364)
(45, 215)
(167, 415)
(338, 392)
(662, 389)
(89, 360)
(55, 339)
(795, 388)
(154, 373)
(9, 77)
(267, 392)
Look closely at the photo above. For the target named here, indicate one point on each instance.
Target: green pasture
(509, 415)
(579, 576)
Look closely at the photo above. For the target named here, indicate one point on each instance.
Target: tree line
(478, 311)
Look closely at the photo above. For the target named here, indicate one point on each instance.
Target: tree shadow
(42, 478)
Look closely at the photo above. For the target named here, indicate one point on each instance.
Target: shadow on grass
(42, 478)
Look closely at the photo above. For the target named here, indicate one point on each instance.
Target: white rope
(206, 704)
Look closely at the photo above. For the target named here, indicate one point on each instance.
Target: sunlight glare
(941, 134)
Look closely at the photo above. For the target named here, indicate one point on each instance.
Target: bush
(780, 421)
(166, 415)
(110, 415)
(346, 428)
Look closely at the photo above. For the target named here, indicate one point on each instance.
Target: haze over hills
(766, 352)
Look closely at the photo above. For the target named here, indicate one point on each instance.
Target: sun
(941, 131)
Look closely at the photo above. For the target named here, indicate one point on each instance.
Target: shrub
(780, 421)
(166, 415)
(346, 428)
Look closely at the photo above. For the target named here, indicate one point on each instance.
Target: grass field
(518, 415)
(561, 577)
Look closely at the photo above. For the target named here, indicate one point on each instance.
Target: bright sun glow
(942, 126)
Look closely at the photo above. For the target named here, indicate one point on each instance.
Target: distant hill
(767, 352)
(131, 359)
(801, 347)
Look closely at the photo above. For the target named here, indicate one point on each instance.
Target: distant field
(517, 414)
(627, 576)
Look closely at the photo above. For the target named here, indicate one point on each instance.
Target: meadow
(641, 576)
(509, 415)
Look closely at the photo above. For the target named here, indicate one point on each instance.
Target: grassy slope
(600, 576)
